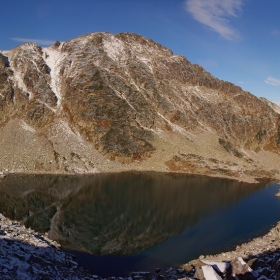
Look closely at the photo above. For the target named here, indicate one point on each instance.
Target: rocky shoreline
(26, 254)
(257, 259)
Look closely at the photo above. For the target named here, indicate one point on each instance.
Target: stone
(220, 267)
(241, 269)
(199, 273)
(206, 272)
(188, 267)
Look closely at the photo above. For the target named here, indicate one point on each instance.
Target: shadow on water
(130, 220)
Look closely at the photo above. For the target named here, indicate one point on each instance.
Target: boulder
(188, 267)
(220, 267)
(241, 269)
(206, 272)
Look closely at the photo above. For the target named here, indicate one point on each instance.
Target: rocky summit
(104, 102)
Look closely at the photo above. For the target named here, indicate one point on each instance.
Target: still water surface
(117, 223)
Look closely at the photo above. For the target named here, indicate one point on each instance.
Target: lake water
(118, 223)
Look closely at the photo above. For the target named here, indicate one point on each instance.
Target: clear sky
(235, 40)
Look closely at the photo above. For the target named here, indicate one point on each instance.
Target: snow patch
(54, 59)
(20, 84)
(113, 47)
(17, 75)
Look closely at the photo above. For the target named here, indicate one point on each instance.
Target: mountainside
(104, 102)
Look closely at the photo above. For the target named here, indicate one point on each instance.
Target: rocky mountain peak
(116, 102)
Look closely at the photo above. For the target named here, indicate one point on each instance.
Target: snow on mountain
(129, 103)
(54, 60)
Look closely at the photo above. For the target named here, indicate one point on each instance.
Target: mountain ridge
(104, 102)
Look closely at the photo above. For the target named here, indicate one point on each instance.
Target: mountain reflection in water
(120, 214)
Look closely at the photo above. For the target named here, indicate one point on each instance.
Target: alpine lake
(122, 222)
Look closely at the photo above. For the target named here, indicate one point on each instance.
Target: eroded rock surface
(105, 102)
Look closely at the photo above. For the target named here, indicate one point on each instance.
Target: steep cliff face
(113, 102)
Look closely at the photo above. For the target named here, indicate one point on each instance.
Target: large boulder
(241, 269)
(206, 272)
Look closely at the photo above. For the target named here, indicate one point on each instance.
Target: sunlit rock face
(105, 102)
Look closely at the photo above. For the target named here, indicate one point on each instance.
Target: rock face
(105, 102)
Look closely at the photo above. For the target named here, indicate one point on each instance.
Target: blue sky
(235, 40)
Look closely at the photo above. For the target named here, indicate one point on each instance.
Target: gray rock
(220, 267)
(206, 272)
(241, 269)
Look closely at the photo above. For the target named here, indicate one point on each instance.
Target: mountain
(103, 102)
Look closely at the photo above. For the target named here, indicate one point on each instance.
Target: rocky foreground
(257, 259)
(25, 254)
